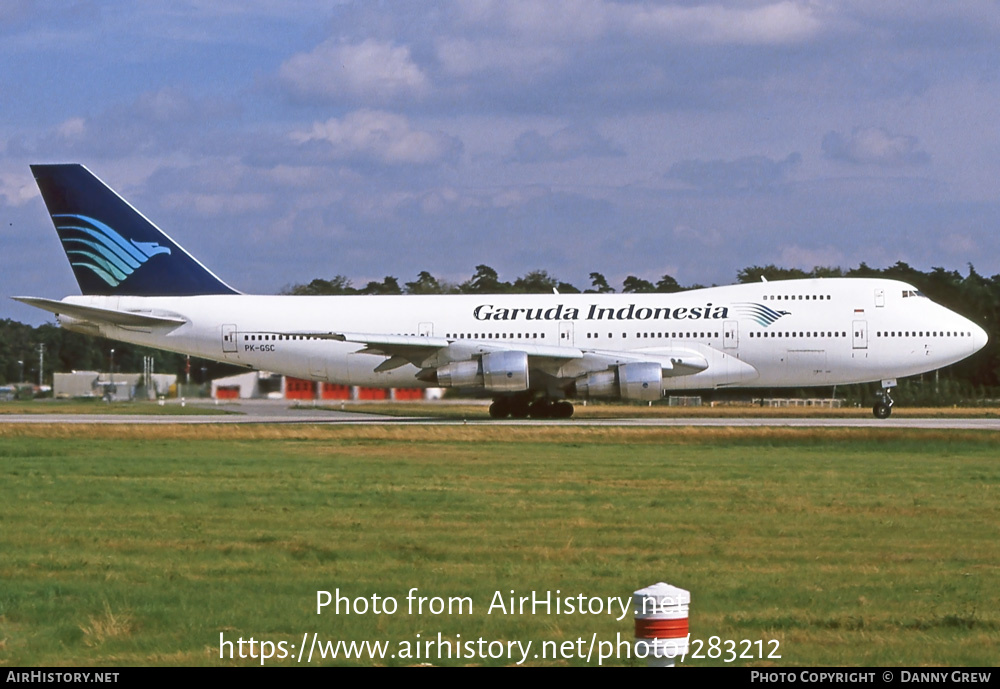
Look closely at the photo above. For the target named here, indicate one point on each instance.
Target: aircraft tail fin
(112, 248)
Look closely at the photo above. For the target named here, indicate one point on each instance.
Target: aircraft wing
(426, 351)
(99, 316)
(563, 362)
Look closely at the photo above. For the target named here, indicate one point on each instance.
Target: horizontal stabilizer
(101, 316)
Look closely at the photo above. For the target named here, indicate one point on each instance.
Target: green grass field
(140, 545)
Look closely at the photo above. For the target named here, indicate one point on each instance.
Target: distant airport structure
(267, 385)
(117, 387)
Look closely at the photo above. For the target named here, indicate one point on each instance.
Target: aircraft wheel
(562, 410)
(500, 409)
(881, 410)
(540, 410)
(519, 408)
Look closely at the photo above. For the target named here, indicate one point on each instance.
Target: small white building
(249, 385)
(117, 387)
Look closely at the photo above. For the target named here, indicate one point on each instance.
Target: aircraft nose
(979, 337)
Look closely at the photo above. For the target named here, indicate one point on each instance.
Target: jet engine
(458, 374)
(495, 371)
(505, 371)
(641, 381)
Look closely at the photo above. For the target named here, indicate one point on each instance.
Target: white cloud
(304, 176)
(787, 21)
(874, 146)
(706, 236)
(16, 189)
(215, 205)
(12, 11)
(553, 19)
(807, 259)
(752, 173)
(167, 104)
(382, 136)
(519, 196)
(959, 244)
(370, 71)
(569, 143)
(777, 23)
(438, 201)
(73, 128)
(520, 60)
(972, 13)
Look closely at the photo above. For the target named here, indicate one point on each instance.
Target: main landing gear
(522, 406)
(883, 405)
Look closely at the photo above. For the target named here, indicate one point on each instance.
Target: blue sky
(282, 141)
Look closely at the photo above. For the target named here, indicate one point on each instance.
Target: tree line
(972, 295)
(485, 281)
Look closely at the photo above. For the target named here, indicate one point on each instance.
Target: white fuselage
(768, 334)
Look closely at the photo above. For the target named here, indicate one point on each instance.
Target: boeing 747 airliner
(531, 353)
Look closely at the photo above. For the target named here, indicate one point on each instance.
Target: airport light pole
(41, 362)
(109, 390)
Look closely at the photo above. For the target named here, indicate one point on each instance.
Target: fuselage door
(228, 338)
(879, 298)
(861, 334)
(730, 335)
(425, 329)
(565, 333)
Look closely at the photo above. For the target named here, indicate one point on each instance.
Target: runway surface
(280, 413)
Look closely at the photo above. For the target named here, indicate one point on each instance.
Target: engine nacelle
(496, 371)
(460, 374)
(505, 371)
(599, 384)
(641, 381)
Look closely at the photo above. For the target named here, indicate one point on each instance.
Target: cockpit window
(913, 293)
